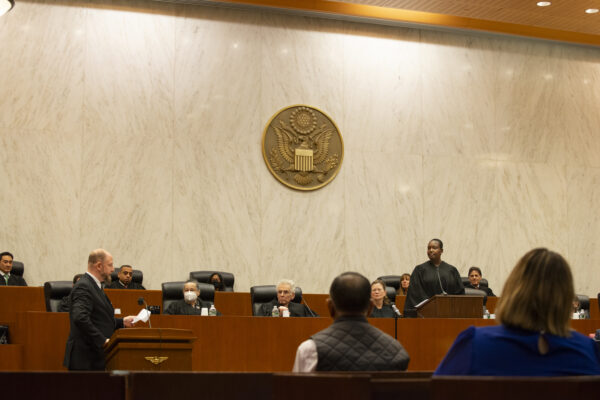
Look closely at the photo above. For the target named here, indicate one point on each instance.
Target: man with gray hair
(286, 291)
(350, 343)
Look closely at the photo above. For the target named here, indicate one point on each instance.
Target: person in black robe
(474, 279)
(191, 304)
(432, 277)
(382, 305)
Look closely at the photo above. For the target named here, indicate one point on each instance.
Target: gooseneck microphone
(437, 269)
(142, 302)
(396, 311)
(309, 310)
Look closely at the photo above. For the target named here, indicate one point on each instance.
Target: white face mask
(190, 296)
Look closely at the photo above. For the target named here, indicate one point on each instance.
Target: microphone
(142, 302)
(309, 310)
(440, 280)
(396, 311)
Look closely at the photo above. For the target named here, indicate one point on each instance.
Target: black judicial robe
(180, 307)
(424, 283)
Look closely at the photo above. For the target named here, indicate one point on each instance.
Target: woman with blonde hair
(534, 336)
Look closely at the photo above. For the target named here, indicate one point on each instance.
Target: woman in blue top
(533, 338)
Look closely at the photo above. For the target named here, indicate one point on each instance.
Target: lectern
(150, 349)
(451, 306)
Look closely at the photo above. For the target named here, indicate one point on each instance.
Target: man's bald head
(97, 255)
(350, 294)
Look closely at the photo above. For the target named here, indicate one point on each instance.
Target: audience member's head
(217, 281)
(6, 262)
(125, 274)
(286, 291)
(538, 294)
(100, 265)
(191, 291)
(76, 278)
(349, 295)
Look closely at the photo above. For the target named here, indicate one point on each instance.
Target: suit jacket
(92, 319)
(296, 309)
(13, 280)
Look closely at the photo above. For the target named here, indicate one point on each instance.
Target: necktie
(6, 279)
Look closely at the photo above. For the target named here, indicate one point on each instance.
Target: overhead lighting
(591, 10)
(543, 3)
(5, 6)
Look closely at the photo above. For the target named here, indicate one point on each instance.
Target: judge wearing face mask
(191, 304)
(217, 281)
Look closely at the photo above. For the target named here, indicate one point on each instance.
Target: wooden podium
(150, 349)
(451, 306)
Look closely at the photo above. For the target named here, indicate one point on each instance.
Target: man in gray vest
(350, 343)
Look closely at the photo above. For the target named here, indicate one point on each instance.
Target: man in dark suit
(125, 279)
(286, 291)
(6, 278)
(92, 316)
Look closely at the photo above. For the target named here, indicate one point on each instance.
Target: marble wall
(136, 126)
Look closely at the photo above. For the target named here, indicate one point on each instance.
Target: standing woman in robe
(432, 277)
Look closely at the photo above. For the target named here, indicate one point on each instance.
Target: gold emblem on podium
(302, 147)
(156, 359)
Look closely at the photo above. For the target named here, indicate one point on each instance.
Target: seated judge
(474, 279)
(382, 306)
(534, 336)
(65, 305)
(6, 278)
(286, 291)
(404, 284)
(432, 277)
(350, 343)
(191, 304)
(125, 279)
(217, 281)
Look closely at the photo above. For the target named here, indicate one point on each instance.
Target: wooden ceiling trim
(420, 18)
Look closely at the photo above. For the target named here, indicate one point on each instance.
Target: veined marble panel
(127, 183)
(460, 208)
(532, 204)
(582, 102)
(531, 92)
(218, 163)
(302, 235)
(584, 227)
(41, 73)
(458, 98)
(40, 173)
(384, 212)
(382, 89)
(302, 63)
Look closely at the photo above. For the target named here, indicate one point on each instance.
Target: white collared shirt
(95, 280)
(307, 357)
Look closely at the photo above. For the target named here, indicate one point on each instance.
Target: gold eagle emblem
(302, 147)
(156, 359)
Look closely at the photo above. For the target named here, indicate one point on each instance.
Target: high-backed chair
(263, 294)
(204, 277)
(18, 268)
(173, 291)
(390, 293)
(137, 276)
(465, 281)
(54, 291)
(476, 292)
(584, 304)
(391, 280)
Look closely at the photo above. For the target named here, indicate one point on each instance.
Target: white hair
(287, 282)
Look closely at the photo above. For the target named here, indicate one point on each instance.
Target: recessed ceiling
(562, 20)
